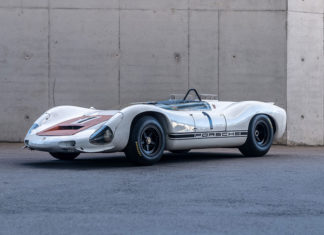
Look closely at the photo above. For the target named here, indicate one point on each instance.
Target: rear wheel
(260, 137)
(64, 156)
(146, 142)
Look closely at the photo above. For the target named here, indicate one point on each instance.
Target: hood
(74, 125)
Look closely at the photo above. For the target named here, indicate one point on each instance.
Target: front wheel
(260, 137)
(64, 156)
(146, 142)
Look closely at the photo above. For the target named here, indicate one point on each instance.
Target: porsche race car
(145, 130)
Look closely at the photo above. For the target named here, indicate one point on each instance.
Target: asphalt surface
(204, 192)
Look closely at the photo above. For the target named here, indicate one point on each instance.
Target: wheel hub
(257, 133)
(148, 140)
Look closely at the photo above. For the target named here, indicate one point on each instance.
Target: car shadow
(119, 161)
(198, 157)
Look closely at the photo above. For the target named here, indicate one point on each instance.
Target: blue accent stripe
(209, 119)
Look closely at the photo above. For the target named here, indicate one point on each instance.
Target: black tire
(64, 156)
(180, 151)
(146, 142)
(260, 137)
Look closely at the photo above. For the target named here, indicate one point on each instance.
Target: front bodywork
(221, 124)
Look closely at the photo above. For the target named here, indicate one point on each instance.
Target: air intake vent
(69, 127)
(86, 119)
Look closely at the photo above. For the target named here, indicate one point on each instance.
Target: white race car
(144, 130)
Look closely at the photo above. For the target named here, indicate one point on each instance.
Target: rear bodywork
(217, 124)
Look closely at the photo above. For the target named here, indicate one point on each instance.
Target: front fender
(129, 113)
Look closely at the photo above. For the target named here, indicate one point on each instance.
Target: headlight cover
(33, 127)
(103, 135)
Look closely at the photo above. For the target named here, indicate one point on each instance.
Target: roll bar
(190, 90)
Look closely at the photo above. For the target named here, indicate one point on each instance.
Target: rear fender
(239, 115)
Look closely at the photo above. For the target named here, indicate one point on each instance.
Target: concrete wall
(305, 74)
(109, 53)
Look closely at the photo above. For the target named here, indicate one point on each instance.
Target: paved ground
(203, 192)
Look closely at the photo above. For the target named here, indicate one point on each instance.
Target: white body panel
(224, 125)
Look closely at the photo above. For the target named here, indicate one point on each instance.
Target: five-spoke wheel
(147, 141)
(260, 136)
(150, 140)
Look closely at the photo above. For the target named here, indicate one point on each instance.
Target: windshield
(191, 101)
(183, 105)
